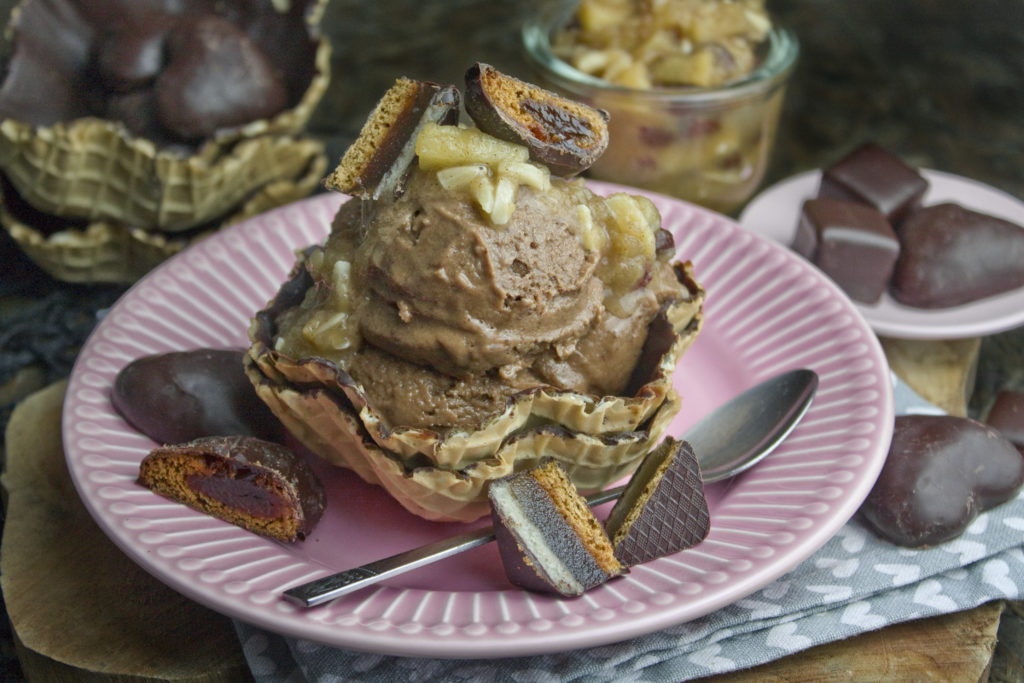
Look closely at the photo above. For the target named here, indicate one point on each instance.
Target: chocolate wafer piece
(564, 135)
(548, 538)
(852, 243)
(663, 509)
(377, 163)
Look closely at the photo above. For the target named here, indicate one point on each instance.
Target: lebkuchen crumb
(574, 509)
(564, 135)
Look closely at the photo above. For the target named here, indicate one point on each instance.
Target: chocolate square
(874, 176)
(852, 243)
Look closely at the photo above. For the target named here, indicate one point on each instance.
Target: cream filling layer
(533, 540)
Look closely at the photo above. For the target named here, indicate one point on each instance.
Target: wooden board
(950, 647)
(941, 372)
(73, 597)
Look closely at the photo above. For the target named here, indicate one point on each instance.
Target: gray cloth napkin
(854, 583)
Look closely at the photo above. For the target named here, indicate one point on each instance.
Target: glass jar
(710, 146)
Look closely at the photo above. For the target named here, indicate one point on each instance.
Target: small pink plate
(767, 311)
(774, 214)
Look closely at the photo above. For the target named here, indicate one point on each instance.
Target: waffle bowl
(326, 425)
(443, 475)
(105, 251)
(67, 161)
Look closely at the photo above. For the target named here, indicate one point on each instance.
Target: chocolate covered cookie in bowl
(129, 129)
(476, 307)
(693, 88)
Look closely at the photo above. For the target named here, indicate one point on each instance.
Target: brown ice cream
(445, 287)
(471, 313)
(450, 314)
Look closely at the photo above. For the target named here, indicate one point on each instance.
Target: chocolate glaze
(952, 255)
(664, 243)
(215, 78)
(647, 523)
(660, 337)
(136, 109)
(874, 176)
(852, 243)
(47, 76)
(940, 474)
(270, 28)
(252, 477)
(183, 395)
(129, 53)
(566, 136)
(288, 296)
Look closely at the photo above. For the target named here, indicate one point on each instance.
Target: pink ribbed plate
(767, 312)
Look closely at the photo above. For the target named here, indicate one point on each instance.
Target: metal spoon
(733, 438)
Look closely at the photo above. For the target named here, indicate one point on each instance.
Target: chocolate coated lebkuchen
(258, 485)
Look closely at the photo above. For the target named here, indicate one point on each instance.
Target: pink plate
(774, 213)
(767, 312)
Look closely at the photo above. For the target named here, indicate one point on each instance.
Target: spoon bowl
(732, 438)
(742, 432)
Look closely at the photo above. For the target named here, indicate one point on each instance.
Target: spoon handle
(330, 587)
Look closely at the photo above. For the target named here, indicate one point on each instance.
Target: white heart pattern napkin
(856, 582)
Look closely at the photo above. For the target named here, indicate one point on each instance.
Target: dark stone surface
(939, 83)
